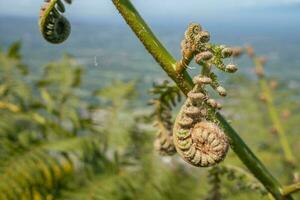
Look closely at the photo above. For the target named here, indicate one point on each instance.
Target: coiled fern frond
(198, 137)
(54, 27)
(166, 97)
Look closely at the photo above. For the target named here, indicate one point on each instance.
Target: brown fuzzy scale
(198, 141)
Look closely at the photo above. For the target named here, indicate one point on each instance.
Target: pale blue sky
(152, 8)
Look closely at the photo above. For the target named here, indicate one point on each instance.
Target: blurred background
(75, 121)
(99, 34)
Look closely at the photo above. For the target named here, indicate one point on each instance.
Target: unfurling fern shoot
(198, 138)
(164, 140)
(54, 27)
(167, 96)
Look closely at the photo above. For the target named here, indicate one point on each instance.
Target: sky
(150, 8)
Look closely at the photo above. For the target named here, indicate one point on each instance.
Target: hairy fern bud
(231, 68)
(193, 30)
(221, 91)
(199, 140)
(54, 27)
(227, 52)
(203, 56)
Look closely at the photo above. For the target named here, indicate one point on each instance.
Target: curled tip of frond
(192, 31)
(202, 144)
(54, 27)
(196, 45)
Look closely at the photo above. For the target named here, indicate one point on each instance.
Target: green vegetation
(183, 80)
(60, 141)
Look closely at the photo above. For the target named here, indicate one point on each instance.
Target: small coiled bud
(213, 103)
(203, 56)
(231, 68)
(196, 97)
(54, 27)
(193, 30)
(227, 52)
(202, 80)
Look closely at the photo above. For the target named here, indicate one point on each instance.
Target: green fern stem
(184, 82)
(267, 92)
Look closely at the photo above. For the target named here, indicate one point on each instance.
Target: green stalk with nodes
(267, 97)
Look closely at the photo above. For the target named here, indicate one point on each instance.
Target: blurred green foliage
(58, 141)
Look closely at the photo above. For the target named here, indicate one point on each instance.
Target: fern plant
(50, 139)
(167, 97)
(190, 133)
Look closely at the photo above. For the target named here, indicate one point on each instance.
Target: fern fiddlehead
(167, 97)
(164, 140)
(198, 138)
(54, 27)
